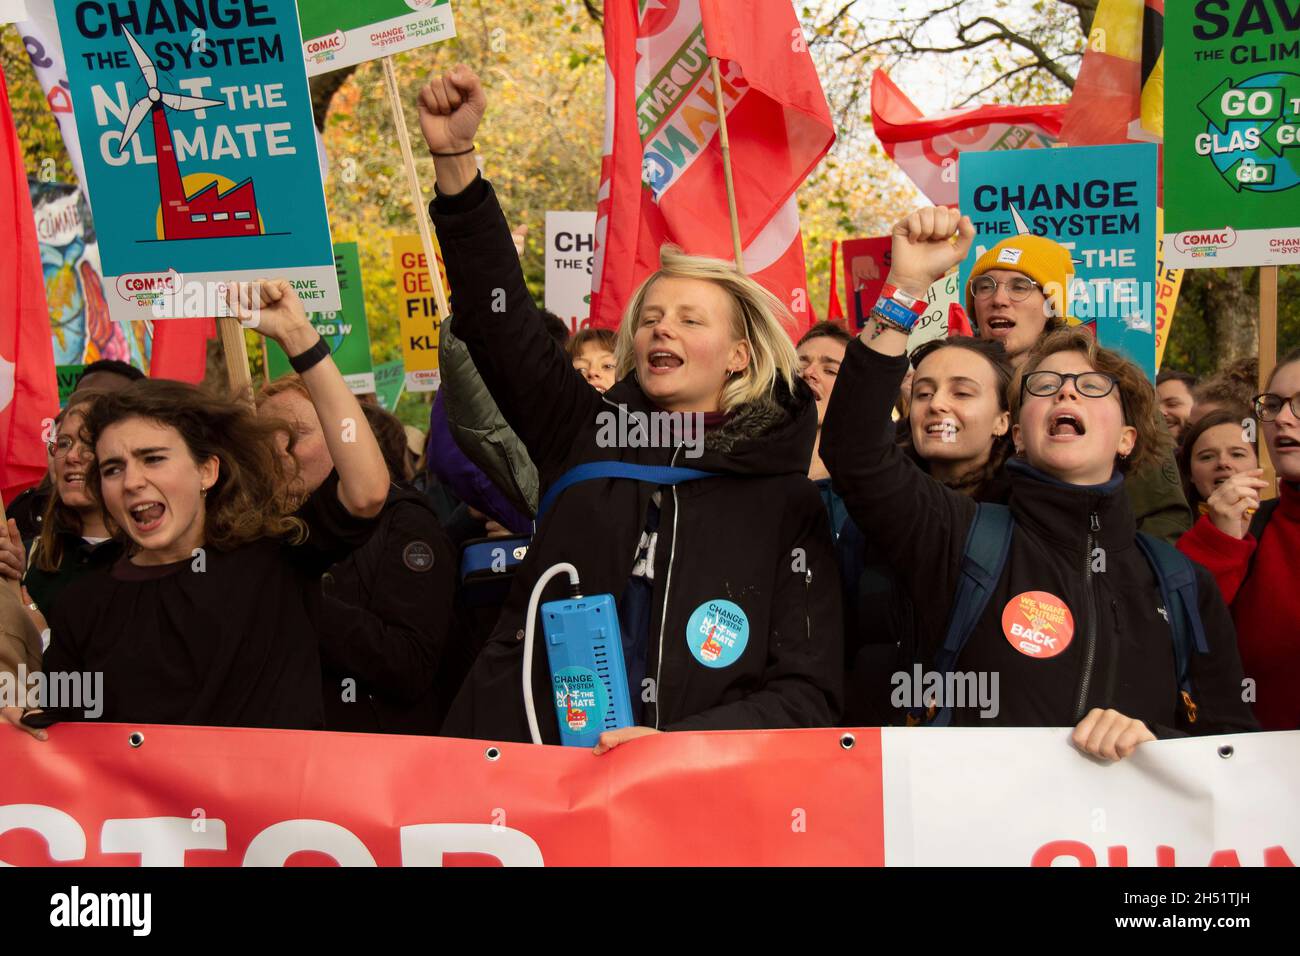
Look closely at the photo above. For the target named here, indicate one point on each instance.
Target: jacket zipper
(663, 611)
(1090, 625)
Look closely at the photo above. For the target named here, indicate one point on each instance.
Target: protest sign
(67, 376)
(418, 310)
(80, 326)
(200, 153)
(810, 797)
(1232, 133)
(339, 33)
(570, 248)
(1097, 201)
(389, 379)
(1168, 282)
(933, 323)
(866, 264)
(345, 331)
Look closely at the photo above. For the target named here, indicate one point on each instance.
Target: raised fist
(451, 107)
(923, 250)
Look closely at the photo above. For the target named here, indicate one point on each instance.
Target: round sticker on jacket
(717, 633)
(1038, 624)
(580, 699)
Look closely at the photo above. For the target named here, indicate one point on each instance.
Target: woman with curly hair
(211, 614)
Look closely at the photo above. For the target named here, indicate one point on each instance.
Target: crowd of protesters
(302, 561)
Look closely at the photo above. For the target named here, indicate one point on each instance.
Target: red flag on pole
(834, 310)
(29, 395)
(661, 176)
(926, 147)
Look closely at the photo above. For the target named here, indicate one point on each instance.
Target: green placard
(67, 376)
(345, 331)
(339, 33)
(389, 379)
(1232, 133)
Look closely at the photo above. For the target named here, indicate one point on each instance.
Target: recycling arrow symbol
(1212, 106)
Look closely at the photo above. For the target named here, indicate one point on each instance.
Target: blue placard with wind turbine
(1098, 201)
(200, 152)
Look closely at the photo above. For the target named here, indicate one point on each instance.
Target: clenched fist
(924, 250)
(451, 107)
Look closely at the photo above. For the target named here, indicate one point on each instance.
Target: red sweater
(1265, 605)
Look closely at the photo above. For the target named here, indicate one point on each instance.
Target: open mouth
(1065, 424)
(1286, 443)
(1000, 323)
(664, 361)
(77, 479)
(147, 515)
(945, 430)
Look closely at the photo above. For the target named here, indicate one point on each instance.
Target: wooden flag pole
(1267, 357)
(726, 161)
(234, 348)
(417, 195)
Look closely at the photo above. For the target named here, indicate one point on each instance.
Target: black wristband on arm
(305, 360)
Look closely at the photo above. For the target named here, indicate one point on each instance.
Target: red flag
(927, 147)
(834, 310)
(958, 322)
(180, 349)
(661, 176)
(29, 395)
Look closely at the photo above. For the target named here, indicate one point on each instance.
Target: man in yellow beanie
(1019, 290)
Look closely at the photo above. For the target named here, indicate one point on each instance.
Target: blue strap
(987, 545)
(654, 474)
(1178, 591)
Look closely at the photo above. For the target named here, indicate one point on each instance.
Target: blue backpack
(987, 545)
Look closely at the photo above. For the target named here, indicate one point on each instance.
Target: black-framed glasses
(61, 446)
(1268, 406)
(1087, 384)
(1019, 288)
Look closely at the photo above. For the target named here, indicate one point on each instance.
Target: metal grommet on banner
(847, 741)
(493, 753)
(1226, 751)
(136, 739)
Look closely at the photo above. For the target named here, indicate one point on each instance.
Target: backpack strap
(1178, 590)
(589, 470)
(985, 555)
(1261, 517)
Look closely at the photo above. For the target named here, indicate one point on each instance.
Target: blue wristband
(896, 312)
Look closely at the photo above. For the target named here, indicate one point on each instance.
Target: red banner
(226, 797)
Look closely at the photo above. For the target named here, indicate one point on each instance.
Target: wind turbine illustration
(207, 213)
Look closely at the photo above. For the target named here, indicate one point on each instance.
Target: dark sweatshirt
(1102, 638)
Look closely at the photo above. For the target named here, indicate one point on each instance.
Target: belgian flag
(1119, 94)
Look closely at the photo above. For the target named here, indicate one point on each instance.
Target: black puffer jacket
(386, 622)
(757, 537)
(1112, 649)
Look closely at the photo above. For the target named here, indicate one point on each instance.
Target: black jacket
(1119, 653)
(757, 536)
(385, 623)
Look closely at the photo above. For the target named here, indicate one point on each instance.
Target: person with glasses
(1073, 628)
(1018, 292)
(73, 539)
(1252, 545)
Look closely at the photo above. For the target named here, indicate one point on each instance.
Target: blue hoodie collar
(1108, 487)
